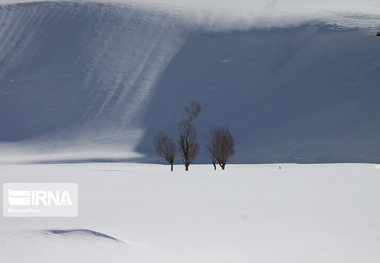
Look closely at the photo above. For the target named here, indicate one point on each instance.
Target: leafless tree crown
(192, 110)
(165, 148)
(220, 146)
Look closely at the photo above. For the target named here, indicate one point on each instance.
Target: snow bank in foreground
(248, 213)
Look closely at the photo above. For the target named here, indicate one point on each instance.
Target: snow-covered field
(248, 213)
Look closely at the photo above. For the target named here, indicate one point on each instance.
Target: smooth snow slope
(247, 213)
(97, 81)
(304, 94)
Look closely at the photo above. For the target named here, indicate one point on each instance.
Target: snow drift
(96, 81)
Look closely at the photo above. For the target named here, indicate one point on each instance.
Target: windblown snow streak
(245, 14)
(104, 79)
(80, 70)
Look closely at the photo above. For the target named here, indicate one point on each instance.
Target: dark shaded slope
(305, 94)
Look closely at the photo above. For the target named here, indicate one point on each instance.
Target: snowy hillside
(97, 82)
(86, 85)
(248, 213)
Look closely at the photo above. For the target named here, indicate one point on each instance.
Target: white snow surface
(244, 14)
(248, 213)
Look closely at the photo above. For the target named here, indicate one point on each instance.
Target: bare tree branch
(188, 144)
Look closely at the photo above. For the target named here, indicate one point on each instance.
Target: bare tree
(220, 146)
(211, 147)
(189, 147)
(165, 148)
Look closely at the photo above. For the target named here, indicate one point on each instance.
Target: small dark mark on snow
(80, 231)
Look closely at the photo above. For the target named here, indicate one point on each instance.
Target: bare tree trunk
(171, 167)
(187, 166)
(214, 164)
(223, 165)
